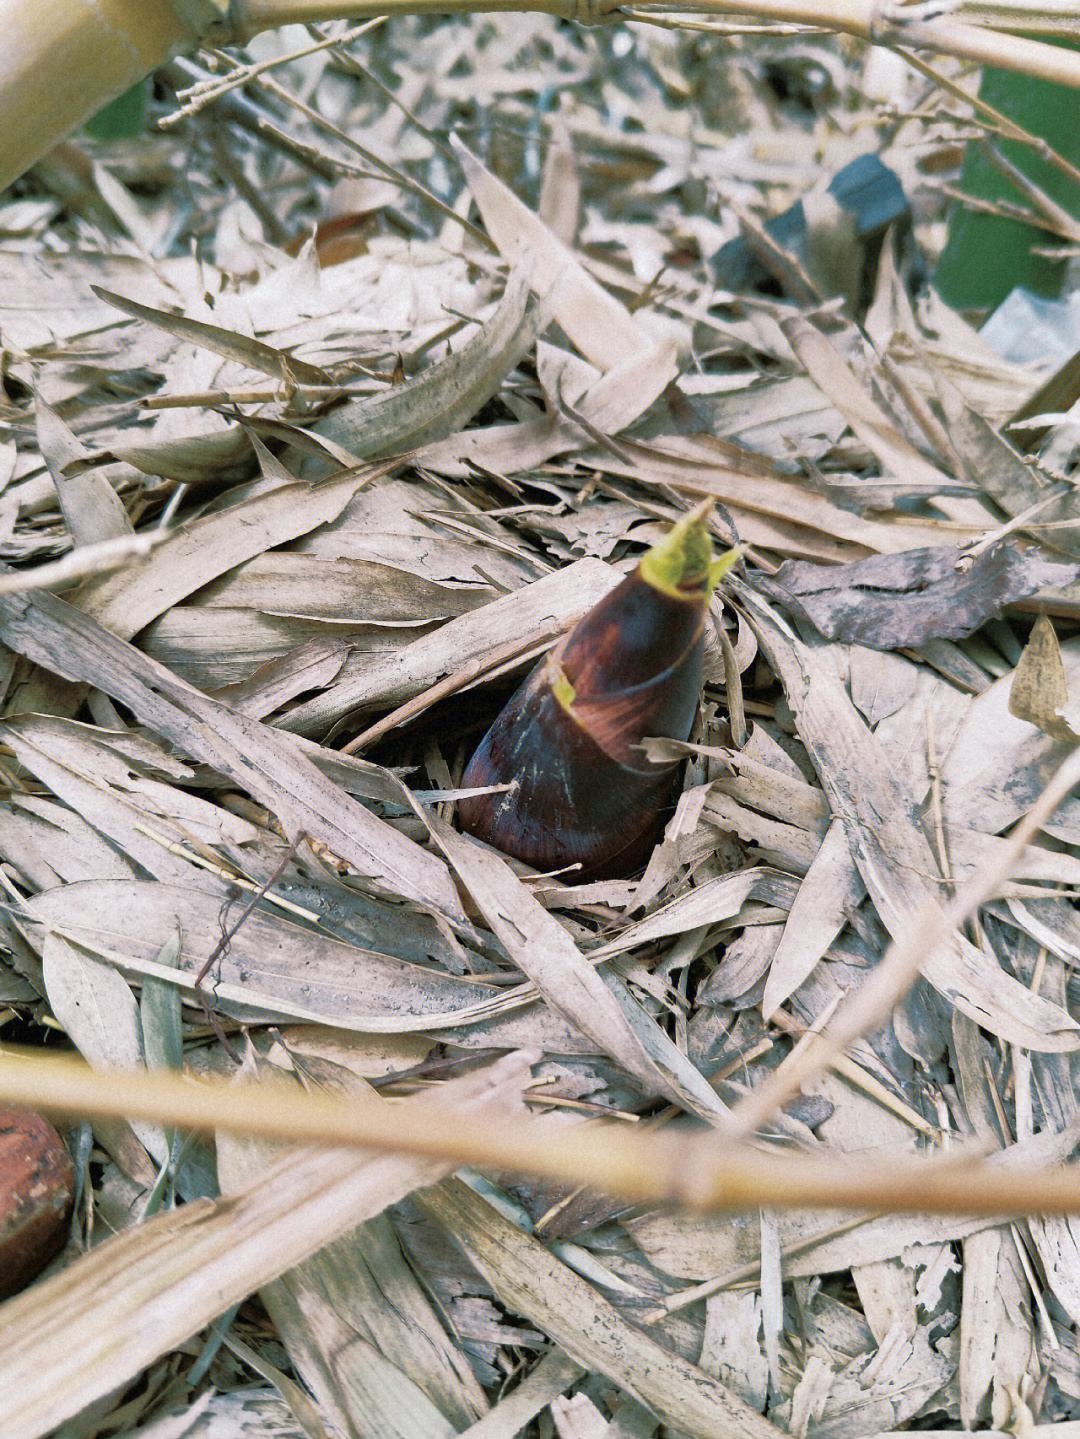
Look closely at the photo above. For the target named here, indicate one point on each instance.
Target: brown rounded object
(37, 1190)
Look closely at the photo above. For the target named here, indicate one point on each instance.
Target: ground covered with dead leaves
(498, 247)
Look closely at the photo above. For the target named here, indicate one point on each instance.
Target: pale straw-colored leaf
(266, 764)
(529, 1280)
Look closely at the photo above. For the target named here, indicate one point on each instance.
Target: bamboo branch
(696, 1170)
(866, 19)
(62, 62)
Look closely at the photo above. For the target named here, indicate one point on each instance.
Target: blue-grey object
(1029, 329)
(867, 189)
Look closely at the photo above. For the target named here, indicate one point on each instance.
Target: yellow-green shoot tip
(683, 560)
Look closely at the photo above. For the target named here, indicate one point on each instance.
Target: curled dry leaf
(1040, 690)
(901, 601)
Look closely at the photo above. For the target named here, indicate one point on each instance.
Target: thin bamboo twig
(865, 19)
(99, 558)
(876, 998)
(694, 1170)
(994, 120)
(214, 86)
(61, 62)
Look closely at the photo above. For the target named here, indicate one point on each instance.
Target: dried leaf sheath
(569, 739)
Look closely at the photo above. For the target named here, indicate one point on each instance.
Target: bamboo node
(888, 19)
(591, 12)
(208, 20)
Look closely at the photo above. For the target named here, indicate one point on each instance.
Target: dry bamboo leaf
(70, 772)
(359, 592)
(923, 722)
(47, 298)
(388, 523)
(242, 349)
(979, 1316)
(731, 1346)
(893, 855)
(272, 966)
(998, 763)
(835, 378)
(355, 1384)
(825, 1242)
(444, 397)
(551, 1377)
(99, 1015)
(827, 897)
(531, 1281)
(46, 845)
(687, 465)
(1040, 691)
(1057, 1244)
(900, 601)
(763, 787)
(551, 602)
(880, 1393)
(210, 454)
(77, 1336)
(264, 763)
(256, 1412)
(1002, 472)
(360, 1329)
(91, 507)
(312, 665)
(788, 846)
(203, 549)
(720, 898)
(543, 950)
(213, 647)
(601, 328)
(612, 402)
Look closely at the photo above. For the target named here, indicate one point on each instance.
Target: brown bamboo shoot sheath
(61, 61)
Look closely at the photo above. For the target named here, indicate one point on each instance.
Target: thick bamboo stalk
(1035, 17)
(865, 19)
(60, 62)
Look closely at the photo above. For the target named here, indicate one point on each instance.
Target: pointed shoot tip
(683, 560)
